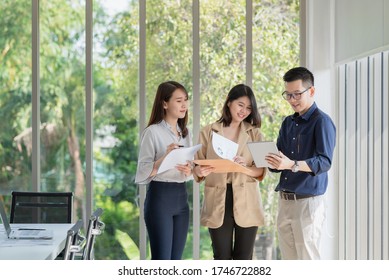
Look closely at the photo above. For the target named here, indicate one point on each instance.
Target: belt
(293, 196)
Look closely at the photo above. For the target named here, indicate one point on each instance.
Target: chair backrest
(74, 241)
(95, 227)
(41, 207)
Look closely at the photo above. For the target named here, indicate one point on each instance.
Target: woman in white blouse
(166, 205)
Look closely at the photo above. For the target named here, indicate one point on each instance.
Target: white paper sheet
(224, 148)
(178, 156)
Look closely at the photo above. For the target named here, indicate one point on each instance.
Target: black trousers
(167, 219)
(230, 241)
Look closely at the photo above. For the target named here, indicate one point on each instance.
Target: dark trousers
(167, 219)
(230, 241)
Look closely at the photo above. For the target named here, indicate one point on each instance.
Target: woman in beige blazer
(232, 206)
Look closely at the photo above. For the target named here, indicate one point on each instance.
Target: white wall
(319, 59)
(335, 32)
(362, 28)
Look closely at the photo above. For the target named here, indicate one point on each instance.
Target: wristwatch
(295, 167)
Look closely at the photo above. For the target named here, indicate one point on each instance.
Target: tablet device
(259, 151)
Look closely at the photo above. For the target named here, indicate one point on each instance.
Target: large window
(222, 53)
(62, 98)
(275, 50)
(116, 115)
(169, 57)
(15, 96)
(123, 91)
(222, 65)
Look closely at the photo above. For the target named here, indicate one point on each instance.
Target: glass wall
(222, 53)
(116, 115)
(169, 57)
(275, 50)
(117, 108)
(222, 65)
(62, 98)
(15, 97)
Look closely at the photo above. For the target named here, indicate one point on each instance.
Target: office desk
(11, 249)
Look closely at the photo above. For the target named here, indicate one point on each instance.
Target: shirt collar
(307, 114)
(167, 125)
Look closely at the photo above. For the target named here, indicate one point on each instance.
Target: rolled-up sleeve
(146, 158)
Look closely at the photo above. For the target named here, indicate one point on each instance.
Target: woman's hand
(171, 147)
(203, 170)
(158, 162)
(185, 168)
(240, 160)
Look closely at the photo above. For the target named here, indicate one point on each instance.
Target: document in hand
(259, 150)
(178, 156)
(224, 166)
(224, 147)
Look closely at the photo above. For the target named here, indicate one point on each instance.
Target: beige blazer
(248, 209)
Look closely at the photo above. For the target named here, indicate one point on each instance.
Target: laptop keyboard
(30, 232)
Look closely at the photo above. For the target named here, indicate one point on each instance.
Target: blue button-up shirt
(310, 138)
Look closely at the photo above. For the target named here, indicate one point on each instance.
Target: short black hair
(300, 73)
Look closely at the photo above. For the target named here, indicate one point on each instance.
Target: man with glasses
(306, 142)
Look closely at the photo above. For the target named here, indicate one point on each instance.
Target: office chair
(41, 207)
(95, 227)
(75, 242)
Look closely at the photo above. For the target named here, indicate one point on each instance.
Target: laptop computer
(259, 151)
(23, 233)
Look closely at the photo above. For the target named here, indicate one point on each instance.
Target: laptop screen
(4, 218)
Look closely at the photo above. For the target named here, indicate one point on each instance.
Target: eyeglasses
(296, 95)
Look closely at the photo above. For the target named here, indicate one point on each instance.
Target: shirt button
(292, 152)
(297, 124)
(286, 178)
(294, 138)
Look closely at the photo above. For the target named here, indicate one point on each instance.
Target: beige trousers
(300, 224)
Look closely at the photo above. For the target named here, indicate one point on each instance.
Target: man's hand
(279, 162)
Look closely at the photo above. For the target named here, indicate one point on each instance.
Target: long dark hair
(236, 92)
(164, 93)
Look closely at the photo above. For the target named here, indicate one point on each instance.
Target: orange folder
(224, 166)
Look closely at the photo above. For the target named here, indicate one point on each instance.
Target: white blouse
(153, 145)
